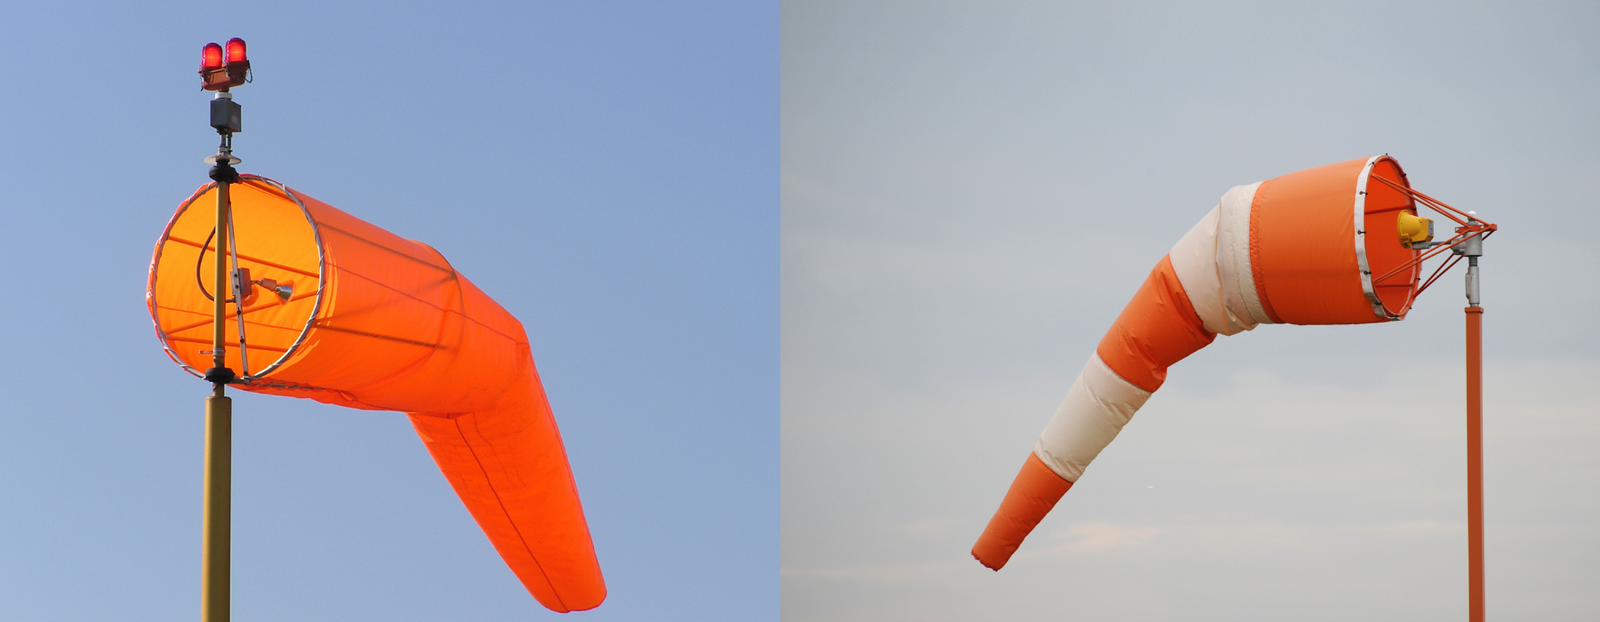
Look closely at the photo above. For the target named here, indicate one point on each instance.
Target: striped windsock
(1299, 249)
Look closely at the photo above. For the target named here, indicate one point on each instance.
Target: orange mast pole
(1472, 248)
(1475, 462)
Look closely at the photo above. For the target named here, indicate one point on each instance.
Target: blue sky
(606, 171)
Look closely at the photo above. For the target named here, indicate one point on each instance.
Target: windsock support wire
(1467, 242)
(1470, 233)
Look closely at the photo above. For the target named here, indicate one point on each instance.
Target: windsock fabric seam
(1255, 252)
(439, 335)
(421, 301)
(1195, 260)
(509, 520)
(403, 255)
(1233, 255)
(244, 256)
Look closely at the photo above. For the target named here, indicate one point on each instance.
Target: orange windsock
(1298, 249)
(342, 312)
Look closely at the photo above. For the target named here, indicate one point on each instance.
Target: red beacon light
(210, 57)
(221, 70)
(236, 51)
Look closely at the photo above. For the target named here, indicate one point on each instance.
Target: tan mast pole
(216, 537)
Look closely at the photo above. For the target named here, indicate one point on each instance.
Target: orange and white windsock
(1297, 249)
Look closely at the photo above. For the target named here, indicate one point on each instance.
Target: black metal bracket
(224, 173)
(220, 375)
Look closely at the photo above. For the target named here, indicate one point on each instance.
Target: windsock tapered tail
(1297, 249)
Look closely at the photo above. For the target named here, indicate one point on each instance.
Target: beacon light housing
(237, 61)
(222, 69)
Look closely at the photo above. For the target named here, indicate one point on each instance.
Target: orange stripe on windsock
(1158, 328)
(1032, 494)
(1303, 229)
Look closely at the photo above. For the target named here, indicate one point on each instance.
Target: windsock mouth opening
(276, 240)
(1325, 245)
(1381, 247)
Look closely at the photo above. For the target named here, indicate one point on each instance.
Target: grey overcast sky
(971, 191)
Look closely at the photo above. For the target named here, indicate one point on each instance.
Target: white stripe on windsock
(1233, 255)
(1097, 406)
(1194, 260)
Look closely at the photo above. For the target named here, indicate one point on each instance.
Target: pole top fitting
(220, 375)
(1473, 246)
(224, 173)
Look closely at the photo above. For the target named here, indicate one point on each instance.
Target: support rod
(1475, 463)
(219, 326)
